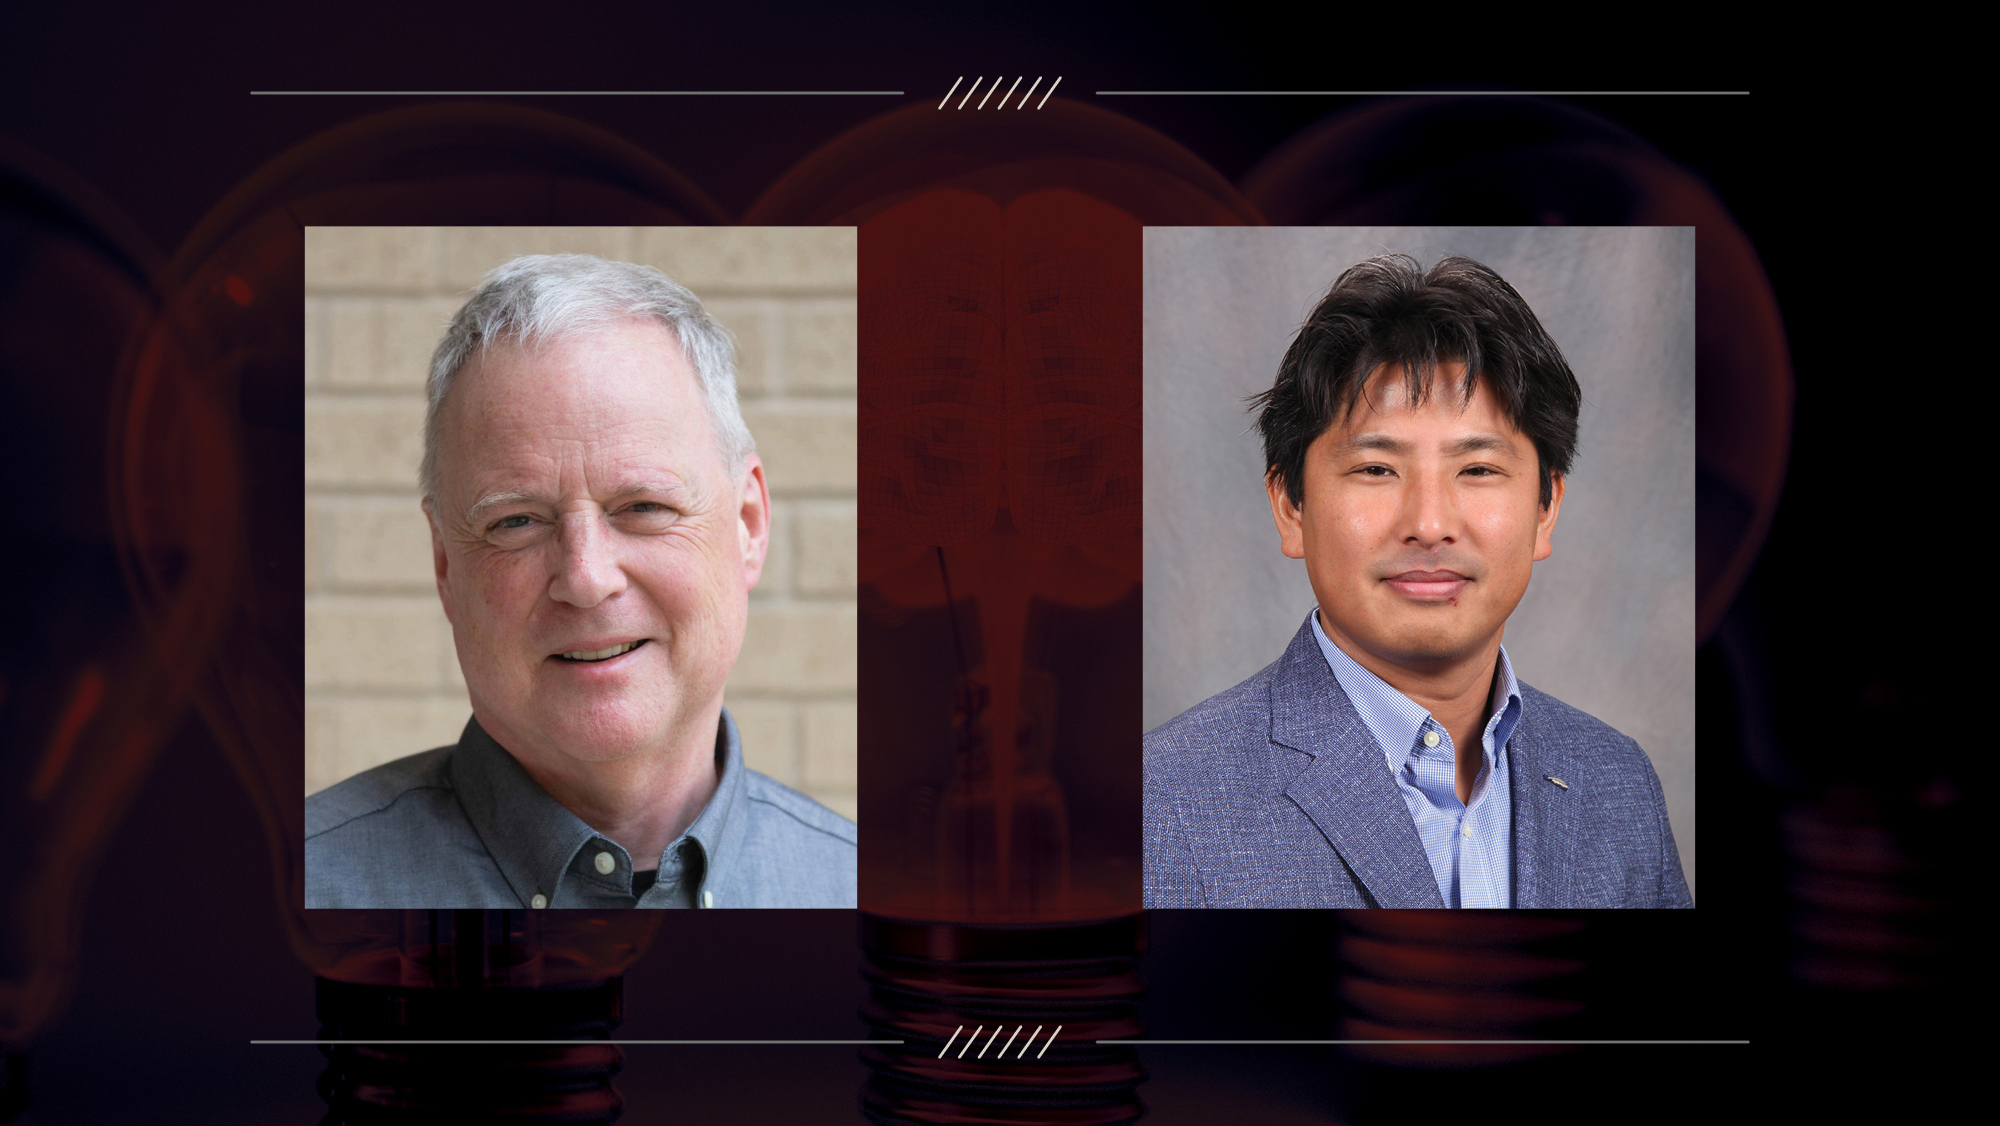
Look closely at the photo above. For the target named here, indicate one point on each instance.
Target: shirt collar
(533, 838)
(1396, 720)
(720, 828)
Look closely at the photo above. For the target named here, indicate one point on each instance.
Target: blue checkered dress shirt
(1470, 846)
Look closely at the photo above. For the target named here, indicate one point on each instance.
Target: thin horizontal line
(1498, 1043)
(518, 1043)
(573, 93)
(1425, 93)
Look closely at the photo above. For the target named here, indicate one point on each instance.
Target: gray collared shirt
(465, 826)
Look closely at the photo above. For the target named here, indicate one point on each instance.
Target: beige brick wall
(382, 680)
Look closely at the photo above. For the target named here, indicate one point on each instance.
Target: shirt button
(1430, 738)
(707, 898)
(539, 902)
(1468, 830)
(605, 863)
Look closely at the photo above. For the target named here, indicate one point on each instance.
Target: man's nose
(587, 570)
(1431, 515)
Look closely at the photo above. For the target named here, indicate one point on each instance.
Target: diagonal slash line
(989, 91)
(974, 90)
(1059, 1028)
(1031, 1041)
(1023, 103)
(947, 1043)
(1018, 1027)
(1039, 105)
(969, 1040)
(996, 1028)
(947, 97)
(1003, 105)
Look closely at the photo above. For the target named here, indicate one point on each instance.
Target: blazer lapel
(1546, 816)
(1347, 791)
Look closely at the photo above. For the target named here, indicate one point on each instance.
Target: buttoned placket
(667, 881)
(1432, 768)
(1481, 893)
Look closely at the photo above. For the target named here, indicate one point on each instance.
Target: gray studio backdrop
(1608, 622)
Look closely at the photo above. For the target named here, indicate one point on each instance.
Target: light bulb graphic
(550, 978)
(208, 450)
(85, 704)
(1001, 924)
(999, 561)
(1450, 975)
(1420, 163)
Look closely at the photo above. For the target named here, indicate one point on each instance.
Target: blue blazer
(1274, 794)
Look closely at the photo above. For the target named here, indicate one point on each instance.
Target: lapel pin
(1557, 781)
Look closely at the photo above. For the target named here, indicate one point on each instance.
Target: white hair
(537, 299)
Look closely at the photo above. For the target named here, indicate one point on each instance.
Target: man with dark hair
(1416, 440)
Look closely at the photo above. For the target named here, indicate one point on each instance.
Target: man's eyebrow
(1388, 444)
(670, 483)
(1474, 443)
(493, 500)
(1375, 440)
(663, 487)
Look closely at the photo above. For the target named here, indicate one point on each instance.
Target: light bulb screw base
(375, 1077)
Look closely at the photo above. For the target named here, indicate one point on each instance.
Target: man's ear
(1545, 525)
(440, 560)
(754, 520)
(1291, 529)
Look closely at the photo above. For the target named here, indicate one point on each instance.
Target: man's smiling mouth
(601, 654)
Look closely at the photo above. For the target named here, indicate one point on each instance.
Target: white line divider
(968, 1041)
(1023, 103)
(948, 1043)
(969, 93)
(947, 97)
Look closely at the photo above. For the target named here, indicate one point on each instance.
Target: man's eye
(1480, 470)
(647, 516)
(1376, 470)
(508, 523)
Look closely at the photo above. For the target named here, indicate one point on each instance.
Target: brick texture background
(382, 679)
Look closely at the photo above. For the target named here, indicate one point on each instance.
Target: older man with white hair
(598, 517)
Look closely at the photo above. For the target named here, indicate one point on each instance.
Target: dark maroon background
(183, 961)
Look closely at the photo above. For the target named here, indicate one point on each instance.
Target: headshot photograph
(1419, 547)
(580, 578)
